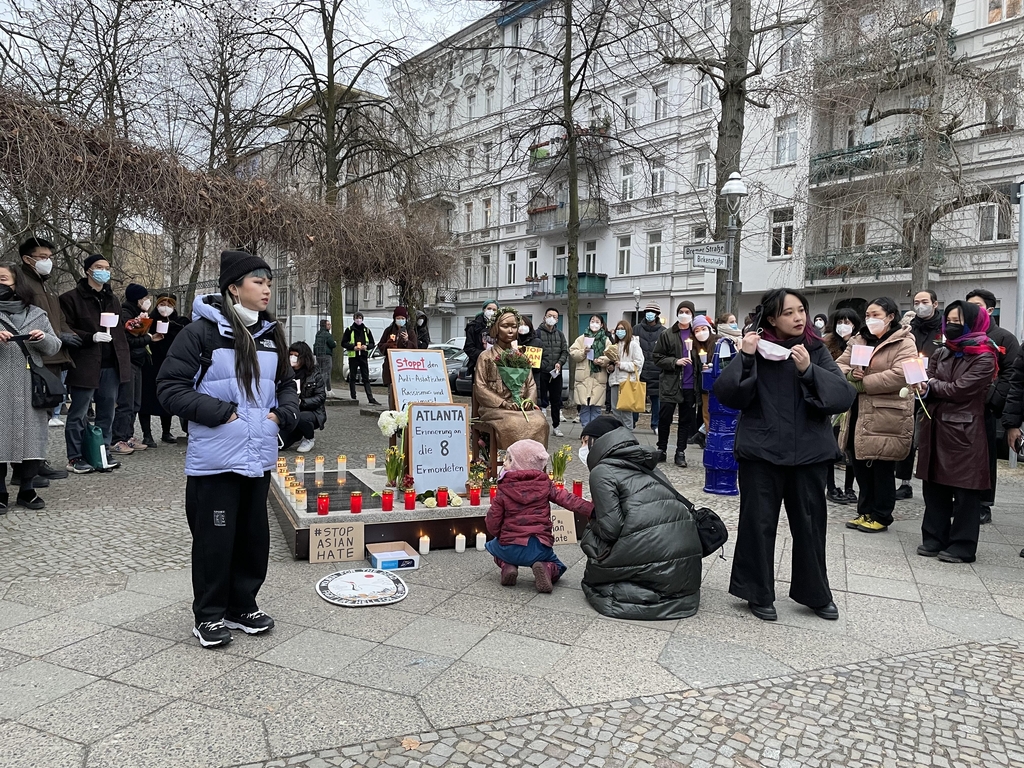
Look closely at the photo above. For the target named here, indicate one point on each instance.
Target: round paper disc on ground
(360, 587)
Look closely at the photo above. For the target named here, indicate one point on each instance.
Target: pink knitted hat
(527, 454)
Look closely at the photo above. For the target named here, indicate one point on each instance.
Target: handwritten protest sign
(336, 542)
(418, 376)
(534, 355)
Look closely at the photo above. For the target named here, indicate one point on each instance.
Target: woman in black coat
(312, 398)
(166, 311)
(476, 333)
(787, 387)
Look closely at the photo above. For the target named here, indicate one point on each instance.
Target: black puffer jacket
(313, 394)
(643, 551)
(1009, 350)
(786, 415)
(138, 346)
(554, 347)
(647, 334)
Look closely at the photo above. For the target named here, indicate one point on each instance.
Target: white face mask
(164, 310)
(702, 335)
(293, 359)
(583, 452)
(819, 324)
(247, 316)
(874, 324)
(595, 327)
(772, 351)
(488, 314)
(924, 310)
(844, 329)
(145, 304)
(684, 318)
(523, 330)
(421, 321)
(551, 322)
(44, 267)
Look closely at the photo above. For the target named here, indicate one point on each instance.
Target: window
(854, 232)
(470, 160)
(488, 150)
(665, 38)
(657, 177)
(590, 256)
(430, 121)
(704, 93)
(785, 140)
(531, 263)
(699, 234)
(450, 115)
(633, 41)
(514, 32)
(487, 212)
(661, 101)
(471, 106)
(998, 10)
(515, 89)
(625, 246)
(380, 295)
(485, 270)
(488, 100)
(629, 110)
(467, 209)
(538, 30)
(626, 181)
(561, 261)
(366, 293)
(1001, 101)
(995, 223)
(513, 206)
(538, 80)
(654, 251)
(782, 233)
(510, 274)
(485, 54)
(702, 169)
(707, 14)
(789, 55)
(467, 266)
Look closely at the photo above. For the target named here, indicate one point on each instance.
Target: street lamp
(637, 293)
(733, 191)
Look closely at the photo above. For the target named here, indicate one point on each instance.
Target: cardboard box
(393, 556)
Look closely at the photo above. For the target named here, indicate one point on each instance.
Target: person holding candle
(135, 317)
(228, 374)
(101, 364)
(704, 341)
(880, 428)
(630, 363)
(166, 312)
(679, 384)
(519, 517)
(838, 332)
(593, 353)
(398, 335)
(647, 333)
(953, 449)
(312, 387)
(787, 387)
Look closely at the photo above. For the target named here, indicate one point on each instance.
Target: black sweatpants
(876, 480)
(687, 420)
(988, 497)
(304, 428)
(361, 366)
(952, 519)
(763, 489)
(227, 514)
(551, 395)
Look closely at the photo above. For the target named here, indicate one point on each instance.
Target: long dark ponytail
(247, 363)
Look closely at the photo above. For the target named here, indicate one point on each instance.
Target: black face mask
(954, 331)
(7, 293)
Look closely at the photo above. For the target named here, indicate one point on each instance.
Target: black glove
(71, 340)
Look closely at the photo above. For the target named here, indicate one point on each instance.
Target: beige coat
(885, 421)
(496, 406)
(590, 387)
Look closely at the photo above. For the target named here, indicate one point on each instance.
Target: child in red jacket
(520, 516)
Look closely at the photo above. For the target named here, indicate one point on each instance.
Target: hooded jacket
(248, 445)
(32, 289)
(554, 347)
(648, 334)
(643, 551)
(786, 415)
(522, 507)
(82, 307)
(312, 394)
(422, 331)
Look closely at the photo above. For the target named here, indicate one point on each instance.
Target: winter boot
(542, 577)
(509, 573)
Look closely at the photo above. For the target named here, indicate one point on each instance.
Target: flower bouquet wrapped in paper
(515, 370)
(138, 326)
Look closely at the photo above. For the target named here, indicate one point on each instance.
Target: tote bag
(632, 395)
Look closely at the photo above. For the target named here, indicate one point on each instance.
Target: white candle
(424, 545)
(481, 540)
(371, 461)
(300, 465)
(162, 327)
(460, 543)
(318, 468)
(108, 319)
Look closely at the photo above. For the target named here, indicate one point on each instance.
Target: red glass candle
(356, 502)
(474, 495)
(387, 500)
(410, 499)
(323, 503)
(493, 491)
(560, 485)
(442, 497)
(577, 488)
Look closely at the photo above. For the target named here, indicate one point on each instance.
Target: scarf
(926, 329)
(12, 307)
(600, 344)
(975, 340)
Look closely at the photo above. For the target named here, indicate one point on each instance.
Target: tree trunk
(193, 278)
(572, 268)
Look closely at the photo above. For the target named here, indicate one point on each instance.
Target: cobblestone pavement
(98, 667)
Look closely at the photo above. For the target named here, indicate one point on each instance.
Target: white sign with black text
(708, 255)
(439, 446)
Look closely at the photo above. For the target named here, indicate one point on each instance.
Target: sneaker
(135, 445)
(211, 633)
(55, 422)
(855, 523)
(51, 473)
(542, 577)
(904, 492)
(558, 432)
(654, 430)
(30, 500)
(680, 459)
(373, 402)
(986, 514)
(306, 445)
(121, 449)
(836, 495)
(80, 467)
(251, 623)
(872, 526)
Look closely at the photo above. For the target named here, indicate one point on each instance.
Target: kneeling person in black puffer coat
(312, 385)
(643, 551)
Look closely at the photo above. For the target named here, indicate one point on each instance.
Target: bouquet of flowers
(393, 423)
(559, 461)
(394, 465)
(139, 326)
(514, 369)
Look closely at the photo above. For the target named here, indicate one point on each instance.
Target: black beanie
(134, 292)
(234, 265)
(600, 426)
(90, 260)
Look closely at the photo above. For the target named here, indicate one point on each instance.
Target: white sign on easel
(439, 446)
(419, 376)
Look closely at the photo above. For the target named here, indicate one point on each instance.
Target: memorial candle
(460, 543)
(162, 327)
(356, 502)
(577, 488)
(410, 499)
(442, 496)
(300, 465)
(387, 500)
(342, 465)
(493, 491)
(481, 540)
(108, 319)
(474, 495)
(282, 466)
(560, 485)
(300, 499)
(371, 461)
(318, 468)
(323, 503)
(424, 545)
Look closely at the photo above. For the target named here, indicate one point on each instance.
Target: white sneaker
(306, 445)
(558, 432)
(55, 423)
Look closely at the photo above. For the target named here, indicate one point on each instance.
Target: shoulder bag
(47, 390)
(710, 528)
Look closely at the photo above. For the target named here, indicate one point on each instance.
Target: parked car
(457, 341)
(454, 358)
(464, 382)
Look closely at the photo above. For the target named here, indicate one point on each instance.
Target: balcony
(876, 157)
(592, 145)
(875, 261)
(555, 217)
(446, 296)
(538, 287)
(853, 56)
(592, 285)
